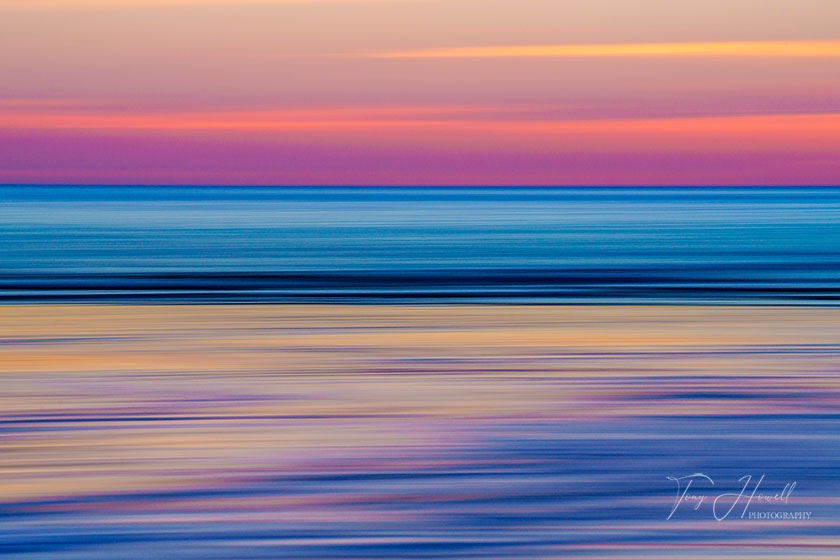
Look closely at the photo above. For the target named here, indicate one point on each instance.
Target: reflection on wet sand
(305, 431)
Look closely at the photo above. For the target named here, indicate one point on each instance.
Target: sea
(445, 244)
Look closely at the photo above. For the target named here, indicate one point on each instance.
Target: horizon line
(420, 186)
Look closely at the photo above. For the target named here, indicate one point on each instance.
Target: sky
(420, 92)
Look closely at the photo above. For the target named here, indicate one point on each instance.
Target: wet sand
(376, 431)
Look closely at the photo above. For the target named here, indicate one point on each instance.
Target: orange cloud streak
(734, 48)
(467, 120)
(314, 119)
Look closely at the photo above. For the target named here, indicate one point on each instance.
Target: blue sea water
(746, 244)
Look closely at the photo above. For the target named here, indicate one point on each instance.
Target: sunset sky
(420, 92)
